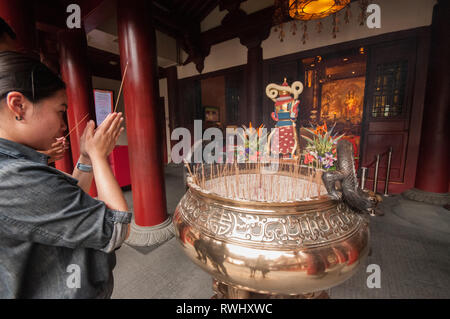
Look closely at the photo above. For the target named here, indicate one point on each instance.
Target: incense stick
(189, 169)
(203, 175)
(77, 125)
(121, 86)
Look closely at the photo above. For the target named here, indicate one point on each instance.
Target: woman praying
(56, 241)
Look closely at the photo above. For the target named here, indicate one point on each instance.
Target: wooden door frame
(414, 115)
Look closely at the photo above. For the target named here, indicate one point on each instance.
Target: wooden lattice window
(389, 93)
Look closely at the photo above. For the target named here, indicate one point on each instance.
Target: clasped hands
(94, 143)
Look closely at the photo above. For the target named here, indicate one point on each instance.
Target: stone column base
(150, 236)
(418, 195)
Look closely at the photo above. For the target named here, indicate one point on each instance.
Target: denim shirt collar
(17, 150)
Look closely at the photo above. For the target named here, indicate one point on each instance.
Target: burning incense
(121, 86)
(76, 125)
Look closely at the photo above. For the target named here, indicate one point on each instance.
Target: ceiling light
(315, 9)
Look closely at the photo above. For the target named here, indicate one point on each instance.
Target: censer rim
(259, 207)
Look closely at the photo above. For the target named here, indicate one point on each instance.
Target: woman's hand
(57, 150)
(101, 141)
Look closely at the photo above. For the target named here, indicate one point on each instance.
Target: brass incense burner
(256, 243)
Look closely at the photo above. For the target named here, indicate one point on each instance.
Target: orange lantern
(315, 9)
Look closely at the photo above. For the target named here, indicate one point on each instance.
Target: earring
(19, 118)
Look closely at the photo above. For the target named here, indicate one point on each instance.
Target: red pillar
(65, 164)
(433, 165)
(51, 61)
(19, 15)
(138, 47)
(76, 75)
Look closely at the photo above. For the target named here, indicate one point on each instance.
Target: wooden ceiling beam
(256, 20)
(51, 15)
(206, 9)
(48, 16)
(95, 12)
(175, 27)
(221, 33)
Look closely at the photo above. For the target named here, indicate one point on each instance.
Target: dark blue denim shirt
(56, 241)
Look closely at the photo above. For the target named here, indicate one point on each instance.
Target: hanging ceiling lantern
(315, 9)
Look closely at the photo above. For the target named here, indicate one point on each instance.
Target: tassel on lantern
(294, 28)
(281, 9)
(348, 14)
(335, 25)
(281, 35)
(363, 4)
(319, 26)
(305, 34)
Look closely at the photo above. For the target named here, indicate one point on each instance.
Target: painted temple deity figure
(351, 103)
(283, 139)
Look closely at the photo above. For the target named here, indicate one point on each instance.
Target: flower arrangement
(321, 149)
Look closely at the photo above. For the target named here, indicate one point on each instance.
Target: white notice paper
(103, 104)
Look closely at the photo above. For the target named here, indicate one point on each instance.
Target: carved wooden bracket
(250, 33)
(230, 5)
(250, 29)
(197, 49)
(197, 52)
(252, 37)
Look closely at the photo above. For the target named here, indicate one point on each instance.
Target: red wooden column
(20, 17)
(51, 60)
(137, 43)
(65, 164)
(76, 75)
(433, 165)
(432, 174)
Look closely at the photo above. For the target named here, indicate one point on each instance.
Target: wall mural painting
(343, 100)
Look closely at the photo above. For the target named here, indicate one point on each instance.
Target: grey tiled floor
(410, 244)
